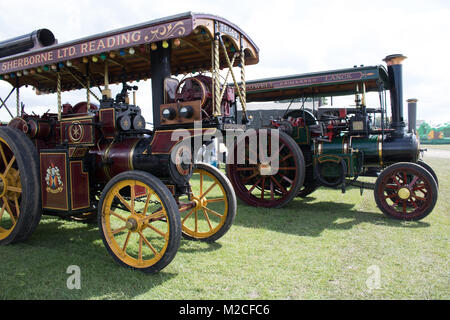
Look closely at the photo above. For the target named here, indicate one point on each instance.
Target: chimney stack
(394, 64)
(412, 115)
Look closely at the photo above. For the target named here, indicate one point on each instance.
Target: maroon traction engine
(100, 158)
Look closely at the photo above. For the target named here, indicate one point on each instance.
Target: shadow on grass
(303, 218)
(56, 245)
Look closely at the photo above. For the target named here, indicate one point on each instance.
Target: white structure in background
(214, 153)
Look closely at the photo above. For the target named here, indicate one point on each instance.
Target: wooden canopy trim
(191, 32)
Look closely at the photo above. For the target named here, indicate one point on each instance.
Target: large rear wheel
(20, 197)
(259, 183)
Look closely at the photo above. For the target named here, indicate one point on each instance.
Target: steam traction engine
(333, 147)
(100, 158)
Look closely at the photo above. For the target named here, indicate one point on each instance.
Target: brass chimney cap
(412, 100)
(394, 59)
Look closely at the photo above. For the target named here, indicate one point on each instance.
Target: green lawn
(324, 247)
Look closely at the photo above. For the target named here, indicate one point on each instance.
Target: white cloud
(293, 36)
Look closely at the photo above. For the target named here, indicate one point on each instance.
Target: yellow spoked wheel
(212, 207)
(20, 205)
(139, 221)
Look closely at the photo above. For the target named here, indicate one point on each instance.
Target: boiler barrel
(375, 150)
(129, 154)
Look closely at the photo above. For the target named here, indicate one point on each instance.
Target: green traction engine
(333, 147)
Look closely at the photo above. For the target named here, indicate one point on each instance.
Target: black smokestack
(412, 115)
(160, 69)
(394, 63)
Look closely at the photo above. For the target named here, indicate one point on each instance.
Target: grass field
(324, 247)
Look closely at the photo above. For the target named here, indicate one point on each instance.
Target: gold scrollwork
(166, 31)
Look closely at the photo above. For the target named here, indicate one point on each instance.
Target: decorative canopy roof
(317, 84)
(127, 53)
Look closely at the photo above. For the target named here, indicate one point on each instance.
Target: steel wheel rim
(202, 216)
(405, 193)
(265, 190)
(137, 221)
(10, 190)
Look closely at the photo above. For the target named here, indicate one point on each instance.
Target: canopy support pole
(18, 97)
(58, 93)
(230, 66)
(106, 92)
(216, 75)
(3, 102)
(88, 87)
(243, 85)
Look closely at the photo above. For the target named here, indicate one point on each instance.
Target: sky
(293, 37)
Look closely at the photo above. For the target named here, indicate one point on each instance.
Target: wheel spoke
(254, 186)
(286, 157)
(394, 178)
(126, 242)
(279, 150)
(187, 216)
(286, 178)
(114, 232)
(117, 215)
(419, 198)
(3, 154)
(250, 177)
(14, 189)
(216, 200)
(213, 212)
(9, 210)
(413, 181)
(262, 188)
(207, 219)
(9, 165)
(132, 197)
(272, 196)
(209, 189)
(2, 211)
(390, 196)
(16, 203)
(148, 244)
(155, 215)
(283, 190)
(164, 235)
(124, 202)
(196, 220)
(140, 249)
(245, 168)
(147, 201)
(413, 203)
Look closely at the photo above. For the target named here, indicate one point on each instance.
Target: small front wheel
(214, 206)
(139, 221)
(406, 191)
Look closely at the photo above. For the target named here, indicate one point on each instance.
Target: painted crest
(53, 179)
